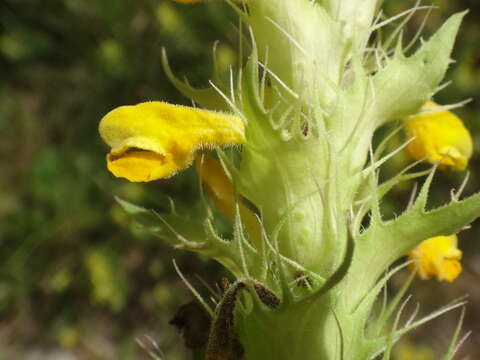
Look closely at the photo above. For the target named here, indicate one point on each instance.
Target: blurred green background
(78, 280)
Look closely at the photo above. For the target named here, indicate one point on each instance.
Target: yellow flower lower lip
(155, 140)
(139, 165)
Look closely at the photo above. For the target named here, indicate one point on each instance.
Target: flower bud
(437, 257)
(439, 137)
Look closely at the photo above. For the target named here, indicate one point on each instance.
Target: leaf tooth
(422, 199)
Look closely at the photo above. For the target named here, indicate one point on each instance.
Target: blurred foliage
(77, 278)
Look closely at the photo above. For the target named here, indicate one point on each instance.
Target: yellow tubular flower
(440, 137)
(221, 189)
(154, 140)
(437, 257)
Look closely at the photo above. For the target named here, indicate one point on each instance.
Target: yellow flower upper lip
(439, 137)
(154, 140)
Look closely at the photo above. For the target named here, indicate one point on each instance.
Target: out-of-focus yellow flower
(68, 336)
(221, 189)
(440, 137)
(437, 257)
(154, 140)
(410, 351)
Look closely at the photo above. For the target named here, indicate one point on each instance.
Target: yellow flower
(440, 137)
(439, 257)
(154, 140)
(222, 191)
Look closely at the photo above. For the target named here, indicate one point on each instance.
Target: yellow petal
(217, 184)
(154, 140)
(437, 257)
(440, 137)
(221, 189)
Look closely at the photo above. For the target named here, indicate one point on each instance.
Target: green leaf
(198, 234)
(208, 98)
(399, 236)
(165, 226)
(406, 83)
